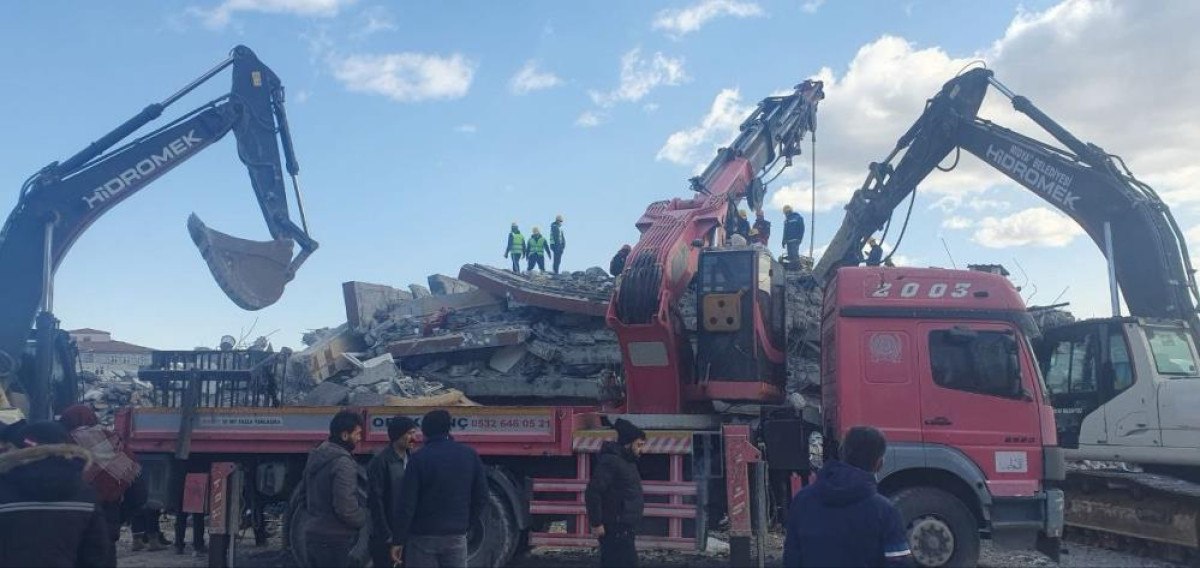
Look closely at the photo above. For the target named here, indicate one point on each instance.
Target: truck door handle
(938, 421)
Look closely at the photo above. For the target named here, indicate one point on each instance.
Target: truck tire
(294, 519)
(492, 538)
(942, 532)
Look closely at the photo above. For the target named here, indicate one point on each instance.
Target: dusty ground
(271, 556)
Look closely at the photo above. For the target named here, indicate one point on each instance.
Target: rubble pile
(490, 334)
(1047, 318)
(114, 390)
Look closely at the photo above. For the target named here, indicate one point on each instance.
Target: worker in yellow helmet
(515, 247)
(535, 251)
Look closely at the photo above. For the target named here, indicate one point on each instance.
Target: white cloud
(641, 75)
(220, 15)
(811, 6)
(1036, 226)
(529, 78)
(679, 22)
(955, 222)
(406, 77)
(694, 146)
(589, 119)
(374, 20)
(466, 129)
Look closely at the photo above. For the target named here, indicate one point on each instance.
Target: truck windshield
(1172, 351)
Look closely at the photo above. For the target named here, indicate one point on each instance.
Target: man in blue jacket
(444, 487)
(841, 520)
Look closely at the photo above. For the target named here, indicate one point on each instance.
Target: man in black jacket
(614, 496)
(444, 487)
(793, 233)
(335, 489)
(385, 474)
(841, 520)
(48, 515)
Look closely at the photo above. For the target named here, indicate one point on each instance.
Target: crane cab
(1124, 389)
(740, 346)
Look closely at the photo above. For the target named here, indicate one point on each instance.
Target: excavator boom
(62, 200)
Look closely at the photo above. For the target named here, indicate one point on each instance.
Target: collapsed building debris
(107, 392)
(490, 334)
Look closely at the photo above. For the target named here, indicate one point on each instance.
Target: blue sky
(423, 129)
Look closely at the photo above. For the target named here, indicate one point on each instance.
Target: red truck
(938, 359)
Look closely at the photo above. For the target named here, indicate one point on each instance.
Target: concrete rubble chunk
(363, 299)
(442, 285)
(327, 393)
(323, 359)
(588, 293)
(545, 351)
(505, 358)
(592, 355)
(419, 291)
(367, 398)
(377, 370)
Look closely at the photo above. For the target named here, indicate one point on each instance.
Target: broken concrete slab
(476, 339)
(442, 285)
(367, 398)
(544, 350)
(326, 394)
(505, 358)
(543, 292)
(324, 358)
(609, 354)
(363, 299)
(419, 291)
(372, 371)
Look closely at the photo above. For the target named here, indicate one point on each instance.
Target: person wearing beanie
(614, 496)
(515, 247)
(333, 482)
(444, 488)
(558, 241)
(385, 474)
(48, 514)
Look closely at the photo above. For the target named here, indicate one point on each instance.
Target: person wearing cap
(385, 474)
(515, 247)
(48, 514)
(558, 241)
(614, 497)
(874, 252)
(444, 488)
(741, 225)
(793, 233)
(535, 251)
(760, 232)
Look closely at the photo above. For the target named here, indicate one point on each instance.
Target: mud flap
(252, 273)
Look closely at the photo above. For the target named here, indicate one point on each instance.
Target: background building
(101, 354)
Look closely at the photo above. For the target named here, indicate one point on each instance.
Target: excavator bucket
(252, 273)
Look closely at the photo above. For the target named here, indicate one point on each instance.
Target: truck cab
(941, 362)
(1124, 389)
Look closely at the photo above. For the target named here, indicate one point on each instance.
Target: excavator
(59, 202)
(1124, 389)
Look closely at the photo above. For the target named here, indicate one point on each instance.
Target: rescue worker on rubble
(760, 232)
(793, 233)
(535, 251)
(385, 473)
(741, 225)
(617, 265)
(558, 241)
(515, 247)
(841, 519)
(874, 252)
(614, 498)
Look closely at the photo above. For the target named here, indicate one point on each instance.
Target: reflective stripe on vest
(518, 244)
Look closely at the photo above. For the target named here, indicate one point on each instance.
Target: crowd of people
(408, 507)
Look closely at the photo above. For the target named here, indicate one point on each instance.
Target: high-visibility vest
(537, 245)
(517, 244)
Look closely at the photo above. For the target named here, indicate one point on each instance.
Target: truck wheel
(294, 519)
(941, 530)
(493, 537)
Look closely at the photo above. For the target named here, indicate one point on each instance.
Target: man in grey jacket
(385, 473)
(336, 492)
